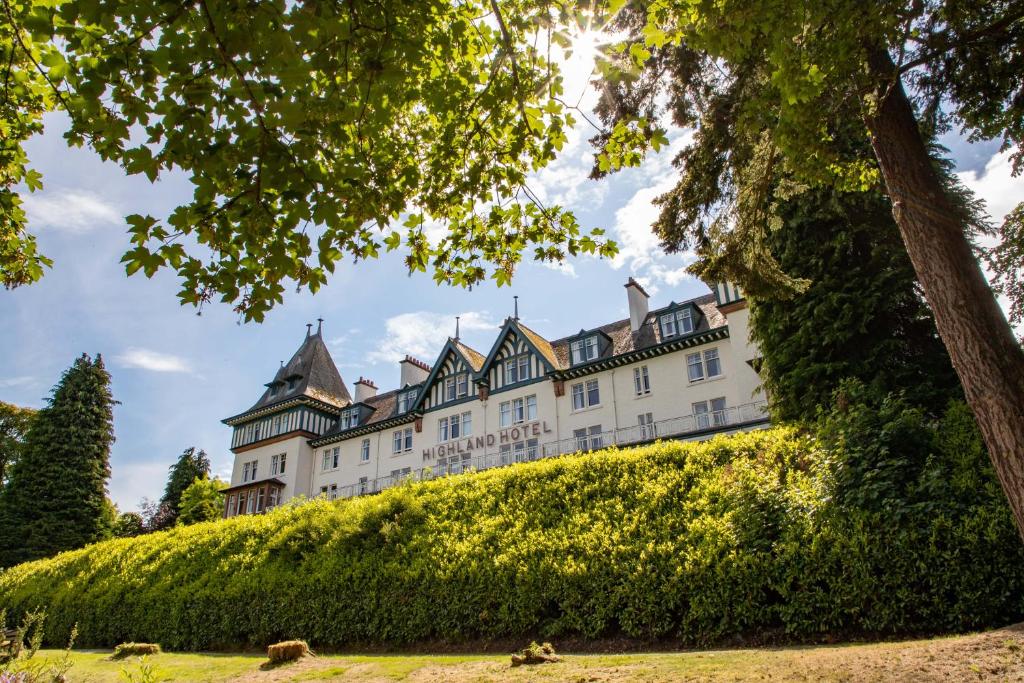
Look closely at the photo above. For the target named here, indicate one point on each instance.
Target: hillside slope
(698, 542)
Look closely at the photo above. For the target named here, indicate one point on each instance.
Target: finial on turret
(516, 298)
(456, 328)
(309, 328)
(319, 325)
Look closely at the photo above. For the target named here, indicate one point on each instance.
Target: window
(323, 490)
(517, 410)
(588, 438)
(462, 385)
(335, 457)
(259, 500)
(504, 414)
(708, 413)
(517, 369)
(273, 390)
(505, 451)
(519, 451)
(272, 498)
(455, 426)
(291, 383)
(407, 399)
(676, 323)
(646, 422)
(467, 424)
(401, 441)
(241, 504)
(584, 350)
(249, 471)
(277, 464)
(250, 502)
(326, 464)
(586, 395)
(349, 419)
(442, 429)
(281, 463)
(641, 381)
(531, 449)
(333, 493)
(245, 472)
(449, 388)
(276, 425)
(231, 505)
(364, 451)
(701, 367)
(362, 485)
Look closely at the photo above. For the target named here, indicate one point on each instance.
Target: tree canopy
(189, 466)
(14, 426)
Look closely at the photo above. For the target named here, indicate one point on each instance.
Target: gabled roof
(382, 408)
(315, 376)
(474, 359)
(538, 344)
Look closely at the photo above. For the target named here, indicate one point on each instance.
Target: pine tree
(56, 498)
(191, 465)
(14, 424)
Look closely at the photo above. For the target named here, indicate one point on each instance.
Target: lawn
(994, 655)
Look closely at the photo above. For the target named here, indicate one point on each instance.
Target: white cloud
(995, 185)
(75, 211)
(422, 334)
(147, 359)
(11, 382)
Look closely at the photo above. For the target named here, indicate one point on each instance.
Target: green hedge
(692, 541)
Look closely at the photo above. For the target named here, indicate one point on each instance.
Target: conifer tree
(190, 465)
(56, 498)
(14, 424)
(202, 501)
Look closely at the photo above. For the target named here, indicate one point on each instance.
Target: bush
(135, 650)
(694, 541)
(288, 651)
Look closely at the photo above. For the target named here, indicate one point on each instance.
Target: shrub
(287, 651)
(536, 654)
(135, 650)
(694, 541)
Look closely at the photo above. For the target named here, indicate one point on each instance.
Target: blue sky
(177, 374)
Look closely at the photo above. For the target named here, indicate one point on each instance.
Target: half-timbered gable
(519, 356)
(452, 378)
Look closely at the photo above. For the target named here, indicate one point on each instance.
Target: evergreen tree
(14, 424)
(56, 498)
(862, 316)
(190, 465)
(202, 501)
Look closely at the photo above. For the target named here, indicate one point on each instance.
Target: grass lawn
(994, 655)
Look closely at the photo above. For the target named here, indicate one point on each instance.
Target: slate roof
(316, 376)
(649, 334)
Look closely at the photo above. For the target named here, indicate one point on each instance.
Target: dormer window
(517, 369)
(291, 383)
(676, 323)
(584, 350)
(273, 390)
(406, 399)
(349, 419)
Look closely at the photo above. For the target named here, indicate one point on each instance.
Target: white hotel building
(684, 371)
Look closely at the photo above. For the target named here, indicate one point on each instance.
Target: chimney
(365, 389)
(638, 306)
(413, 371)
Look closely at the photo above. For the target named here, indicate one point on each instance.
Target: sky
(177, 374)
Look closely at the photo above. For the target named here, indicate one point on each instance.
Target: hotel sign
(470, 444)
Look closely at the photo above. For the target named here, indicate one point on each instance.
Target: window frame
(364, 451)
(641, 381)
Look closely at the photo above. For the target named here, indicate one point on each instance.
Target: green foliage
(56, 498)
(694, 541)
(312, 134)
(189, 466)
(861, 317)
(202, 501)
(14, 425)
(135, 650)
(128, 524)
(1006, 260)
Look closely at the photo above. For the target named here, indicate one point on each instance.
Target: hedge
(693, 541)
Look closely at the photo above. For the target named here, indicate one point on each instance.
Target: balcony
(687, 427)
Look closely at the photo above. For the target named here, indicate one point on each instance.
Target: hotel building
(683, 371)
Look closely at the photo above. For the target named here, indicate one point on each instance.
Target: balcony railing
(687, 426)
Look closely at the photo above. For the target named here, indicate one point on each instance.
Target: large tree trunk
(981, 344)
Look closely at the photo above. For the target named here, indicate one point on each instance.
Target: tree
(190, 465)
(14, 425)
(202, 501)
(56, 499)
(819, 76)
(310, 130)
(128, 524)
